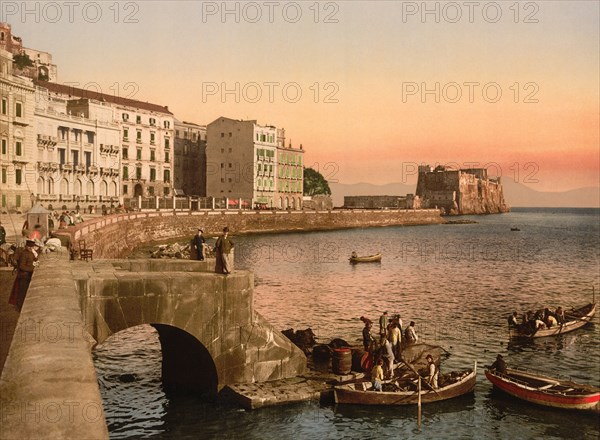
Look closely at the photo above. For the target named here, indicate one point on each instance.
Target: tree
(22, 60)
(315, 183)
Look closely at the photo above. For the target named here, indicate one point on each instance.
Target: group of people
(387, 350)
(534, 321)
(222, 249)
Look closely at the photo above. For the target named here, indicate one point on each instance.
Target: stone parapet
(116, 236)
(48, 387)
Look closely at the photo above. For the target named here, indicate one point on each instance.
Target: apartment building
(190, 158)
(17, 152)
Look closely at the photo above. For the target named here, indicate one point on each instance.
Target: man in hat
(432, 378)
(223, 247)
(499, 365)
(198, 244)
(26, 263)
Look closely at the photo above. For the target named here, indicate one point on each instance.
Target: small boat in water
(405, 391)
(515, 229)
(544, 390)
(574, 319)
(368, 259)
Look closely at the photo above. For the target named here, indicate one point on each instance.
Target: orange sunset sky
(360, 67)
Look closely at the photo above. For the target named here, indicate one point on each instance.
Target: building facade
(17, 152)
(145, 142)
(250, 162)
(41, 62)
(78, 163)
(190, 158)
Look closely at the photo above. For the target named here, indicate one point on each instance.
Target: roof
(90, 94)
(38, 209)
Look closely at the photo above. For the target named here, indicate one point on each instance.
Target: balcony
(66, 167)
(125, 139)
(80, 169)
(47, 197)
(92, 169)
(66, 198)
(52, 166)
(139, 141)
(92, 198)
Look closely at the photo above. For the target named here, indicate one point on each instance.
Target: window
(230, 134)
(139, 136)
(18, 109)
(125, 189)
(18, 176)
(3, 175)
(152, 174)
(3, 201)
(167, 124)
(125, 134)
(167, 158)
(177, 133)
(152, 135)
(222, 150)
(75, 157)
(61, 156)
(152, 155)
(138, 172)
(167, 175)
(3, 146)
(222, 178)
(166, 191)
(125, 153)
(150, 190)
(125, 117)
(229, 165)
(18, 148)
(229, 180)
(222, 135)
(152, 121)
(4, 106)
(90, 137)
(138, 119)
(167, 143)
(125, 173)
(138, 154)
(18, 201)
(230, 150)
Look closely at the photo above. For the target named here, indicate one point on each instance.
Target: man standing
(410, 334)
(2, 234)
(395, 338)
(382, 323)
(198, 242)
(26, 263)
(432, 379)
(223, 247)
(388, 355)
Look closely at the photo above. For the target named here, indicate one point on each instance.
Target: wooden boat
(574, 319)
(368, 259)
(452, 385)
(547, 391)
(515, 229)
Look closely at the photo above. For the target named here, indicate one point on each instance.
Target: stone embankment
(116, 236)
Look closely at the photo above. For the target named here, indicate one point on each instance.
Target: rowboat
(368, 259)
(451, 385)
(574, 319)
(544, 390)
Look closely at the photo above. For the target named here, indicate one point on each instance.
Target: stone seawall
(117, 235)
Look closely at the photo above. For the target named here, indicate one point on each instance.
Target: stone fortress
(460, 192)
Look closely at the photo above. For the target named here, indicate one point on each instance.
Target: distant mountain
(515, 194)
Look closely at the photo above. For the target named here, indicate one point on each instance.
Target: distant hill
(516, 194)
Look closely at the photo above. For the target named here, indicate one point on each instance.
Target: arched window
(113, 188)
(50, 188)
(41, 185)
(103, 188)
(64, 187)
(90, 188)
(77, 190)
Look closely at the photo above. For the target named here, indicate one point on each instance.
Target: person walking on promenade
(223, 247)
(198, 242)
(26, 263)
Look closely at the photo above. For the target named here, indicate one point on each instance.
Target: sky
(370, 89)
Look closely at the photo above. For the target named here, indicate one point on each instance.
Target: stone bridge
(209, 332)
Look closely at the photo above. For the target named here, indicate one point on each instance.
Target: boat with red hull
(545, 390)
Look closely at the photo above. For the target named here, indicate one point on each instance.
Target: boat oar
(419, 376)
(419, 404)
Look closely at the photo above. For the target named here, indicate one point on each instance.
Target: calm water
(458, 282)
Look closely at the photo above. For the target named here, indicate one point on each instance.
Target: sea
(458, 282)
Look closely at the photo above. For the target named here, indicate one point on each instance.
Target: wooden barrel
(342, 361)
